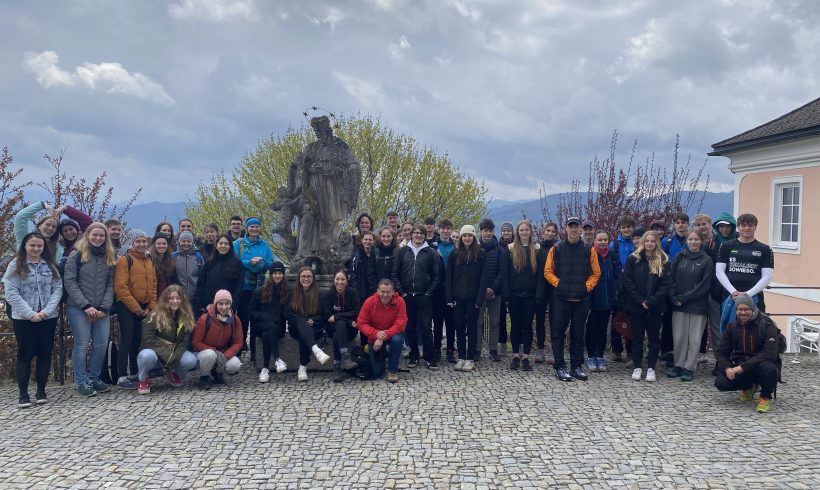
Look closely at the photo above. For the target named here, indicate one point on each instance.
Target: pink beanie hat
(221, 295)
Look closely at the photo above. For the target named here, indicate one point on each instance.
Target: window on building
(786, 225)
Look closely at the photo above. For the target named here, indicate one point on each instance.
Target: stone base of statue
(327, 260)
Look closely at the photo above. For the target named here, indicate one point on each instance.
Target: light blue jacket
(41, 290)
(246, 249)
(21, 226)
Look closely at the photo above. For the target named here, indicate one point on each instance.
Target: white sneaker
(264, 375)
(636, 374)
(468, 366)
(459, 365)
(702, 358)
(320, 355)
(302, 374)
(280, 366)
(650, 375)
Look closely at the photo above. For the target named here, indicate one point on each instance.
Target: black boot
(338, 374)
(204, 383)
(218, 378)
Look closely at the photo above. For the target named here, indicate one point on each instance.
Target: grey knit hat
(745, 299)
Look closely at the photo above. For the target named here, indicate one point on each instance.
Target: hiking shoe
(144, 387)
(515, 363)
(204, 383)
(525, 364)
(281, 367)
(686, 375)
(459, 365)
(264, 375)
(392, 377)
(24, 402)
(674, 372)
(349, 364)
(219, 378)
(600, 364)
(748, 395)
(127, 383)
(173, 378)
(563, 375)
(763, 405)
(41, 397)
(494, 356)
(636, 374)
(650, 375)
(413, 362)
(301, 375)
(320, 355)
(99, 386)
(431, 365)
(451, 357)
(468, 366)
(539, 357)
(579, 373)
(592, 366)
(339, 374)
(86, 389)
(617, 357)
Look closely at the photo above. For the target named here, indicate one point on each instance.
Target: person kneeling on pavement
(748, 354)
(382, 320)
(217, 341)
(166, 332)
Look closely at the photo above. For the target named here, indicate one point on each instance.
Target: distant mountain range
(146, 216)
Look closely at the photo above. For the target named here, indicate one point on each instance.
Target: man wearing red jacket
(382, 320)
(217, 340)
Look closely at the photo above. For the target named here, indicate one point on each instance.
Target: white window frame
(778, 183)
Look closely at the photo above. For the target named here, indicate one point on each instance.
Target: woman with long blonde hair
(522, 274)
(646, 281)
(89, 284)
(166, 333)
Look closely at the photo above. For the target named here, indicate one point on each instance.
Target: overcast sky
(518, 93)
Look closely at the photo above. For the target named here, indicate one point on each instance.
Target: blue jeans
(390, 350)
(148, 361)
(83, 329)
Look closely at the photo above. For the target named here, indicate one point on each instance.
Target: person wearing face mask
(692, 272)
(217, 341)
(89, 284)
(748, 354)
(267, 309)
(222, 271)
(166, 333)
(340, 308)
(135, 286)
(362, 265)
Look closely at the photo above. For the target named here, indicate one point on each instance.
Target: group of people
(186, 303)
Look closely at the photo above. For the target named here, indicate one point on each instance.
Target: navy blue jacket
(603, 296)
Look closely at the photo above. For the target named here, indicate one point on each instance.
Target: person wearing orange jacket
(572, 269)
(135, 285)
(217, 341)
(382, 319)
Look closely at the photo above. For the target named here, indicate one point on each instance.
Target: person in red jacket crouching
(382, 320)
(217, 341)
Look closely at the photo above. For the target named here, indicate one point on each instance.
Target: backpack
(781, 339)
(362, 358)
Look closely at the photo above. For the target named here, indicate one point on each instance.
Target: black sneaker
(204, 383)
(525, 364)
(431, 365)
(451, 356)
(219, 379)
(338, 374)
(494, 356)
(515, 363)
(99, 386)
(85, 389)
(40, 397)
(562, 374)
(579, 373)
(413, 362)
(25, 402)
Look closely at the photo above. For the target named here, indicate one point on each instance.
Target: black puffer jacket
(465, 282)
(692, 274)
(417, 273)
(266, 317)
(494, 257)
(639, 286)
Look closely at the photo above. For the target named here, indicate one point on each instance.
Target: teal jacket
(246, 249)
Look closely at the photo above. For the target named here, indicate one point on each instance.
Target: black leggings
(342, 332)
(270, 336)
(465, 316)
(522, 309)
(502, 324)
(34, 339)
(130, 339)
(646, 322)
(597, 321)
(306, 334)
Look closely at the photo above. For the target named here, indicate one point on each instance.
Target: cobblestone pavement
(488, 429)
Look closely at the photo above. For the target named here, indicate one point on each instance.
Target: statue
(321, 193)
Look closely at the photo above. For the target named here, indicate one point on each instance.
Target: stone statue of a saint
(322, 192)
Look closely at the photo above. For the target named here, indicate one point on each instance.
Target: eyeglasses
(418, 233)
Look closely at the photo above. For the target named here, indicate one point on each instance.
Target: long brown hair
(465, 255)
(51, 242)
(83, 246)
(520, 260)
(163, 318)
(20, 267)
(165, 264)
(270, 286)
(305, 302)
